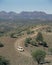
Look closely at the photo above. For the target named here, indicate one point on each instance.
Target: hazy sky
(26, 5)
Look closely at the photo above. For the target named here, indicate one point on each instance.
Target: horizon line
(24, 11)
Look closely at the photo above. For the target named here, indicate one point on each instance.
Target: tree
(39, 37)
(3, 61)
(39, 56)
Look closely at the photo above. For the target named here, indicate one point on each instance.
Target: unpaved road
(20, 41)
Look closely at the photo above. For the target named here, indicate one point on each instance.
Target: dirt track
(19, 42)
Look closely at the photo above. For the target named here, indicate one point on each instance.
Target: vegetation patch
(30, 32)
(39, 40)
(27, 41)
(1, 44)
(39, 56)
(1, 33)
(3, 61)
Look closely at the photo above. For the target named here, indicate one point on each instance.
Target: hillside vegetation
(12, 35)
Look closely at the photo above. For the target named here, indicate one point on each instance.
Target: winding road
(20, 41)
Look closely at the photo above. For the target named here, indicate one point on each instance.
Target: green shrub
(3, 61)
(33, 42)
(27, 40)
(39, 56)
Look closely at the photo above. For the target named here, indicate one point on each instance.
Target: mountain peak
(26, 14)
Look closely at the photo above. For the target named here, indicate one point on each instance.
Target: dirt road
(20, 41)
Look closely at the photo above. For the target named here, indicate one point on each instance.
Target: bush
(40, 43)
(44, 44)
(39, 56)
(3, 61)
(48, 30)
(1, 44)
(27, 41)
(1, 33)
(26, 44)
(13, 35)
(33, 43)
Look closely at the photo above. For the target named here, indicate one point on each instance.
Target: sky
(26, 5)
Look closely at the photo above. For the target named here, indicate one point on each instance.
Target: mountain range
(25, 15)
